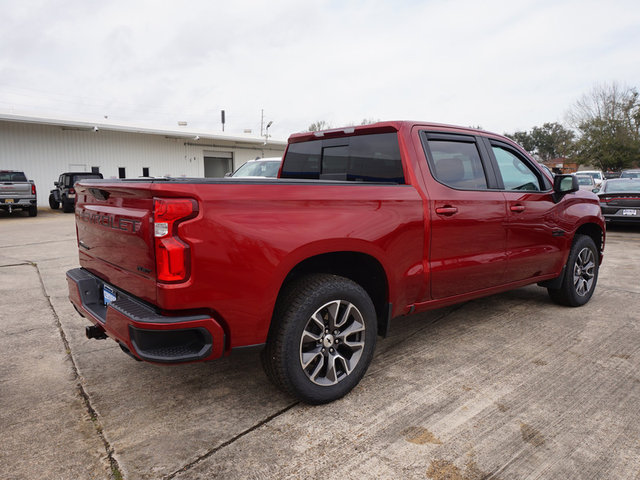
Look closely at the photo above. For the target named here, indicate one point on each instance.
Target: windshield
(12, 177)
(630, 175)
(594, 175)
(584, 180)
(620, 186)
(258, 169)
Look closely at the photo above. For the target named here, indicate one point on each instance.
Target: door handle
(517, 208)
(448, 210)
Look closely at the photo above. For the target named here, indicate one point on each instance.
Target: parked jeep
(64, 193)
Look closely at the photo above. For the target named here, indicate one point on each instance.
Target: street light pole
(266, 134)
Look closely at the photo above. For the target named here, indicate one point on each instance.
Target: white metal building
(45, 148)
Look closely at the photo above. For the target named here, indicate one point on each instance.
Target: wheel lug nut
(331, 350)
(336, 332)
(324, 350)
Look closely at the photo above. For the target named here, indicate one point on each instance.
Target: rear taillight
(172, 253)
(33, 189)
(72, 190)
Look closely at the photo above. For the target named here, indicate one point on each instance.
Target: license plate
(629, 211)
(8, 200)
(109, 295)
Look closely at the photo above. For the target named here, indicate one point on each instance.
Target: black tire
(314, 364)
(67, 205)
(53, 203)
(33, 210)
(580, 275)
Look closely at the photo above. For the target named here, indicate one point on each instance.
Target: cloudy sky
(503, 65)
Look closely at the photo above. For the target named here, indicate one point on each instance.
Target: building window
(121, 172)
(145, 171)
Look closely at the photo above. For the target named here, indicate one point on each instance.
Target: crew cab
(363, 226)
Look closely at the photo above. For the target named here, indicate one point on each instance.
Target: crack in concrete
(213, 451)
(16, 264)
(37, 243)
(615, 289)
(113, 463)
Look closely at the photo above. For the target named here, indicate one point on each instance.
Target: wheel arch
(596, 232)
(362, 268)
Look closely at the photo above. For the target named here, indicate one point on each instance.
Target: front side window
(516, 174)
(457, 164)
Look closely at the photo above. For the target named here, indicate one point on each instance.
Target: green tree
(524, 139)
(608, 123)
(552, 140)
(549, 141)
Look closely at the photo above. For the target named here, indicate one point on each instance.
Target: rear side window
(362, 158)
(457, 164)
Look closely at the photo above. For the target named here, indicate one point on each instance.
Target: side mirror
(595, 190)
(56, 184)
(563, 184)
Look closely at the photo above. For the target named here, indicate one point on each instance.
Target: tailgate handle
(517, 208)
(99, 194)
(448, 210)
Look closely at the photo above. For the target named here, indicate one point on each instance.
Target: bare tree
(319, 125)
(607, 120)
(609, 103)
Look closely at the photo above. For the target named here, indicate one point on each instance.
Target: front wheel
(580, 275)
(322, 338)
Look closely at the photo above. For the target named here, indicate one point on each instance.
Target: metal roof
(178, 133)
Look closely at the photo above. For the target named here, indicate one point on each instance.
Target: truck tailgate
(115, 237)
(15, 190)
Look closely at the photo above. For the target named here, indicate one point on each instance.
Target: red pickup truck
(363, 225)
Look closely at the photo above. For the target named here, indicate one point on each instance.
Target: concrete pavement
(510, 386)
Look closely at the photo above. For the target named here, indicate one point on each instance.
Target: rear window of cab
(362, 158)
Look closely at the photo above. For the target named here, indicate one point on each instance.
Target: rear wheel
(53, 203)
(322, 338)
(67, 205)
(580, 275)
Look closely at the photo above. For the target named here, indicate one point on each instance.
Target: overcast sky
(503, 65)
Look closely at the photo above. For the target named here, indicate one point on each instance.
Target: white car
(597, 175)
(586, 182)
(260, 167)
